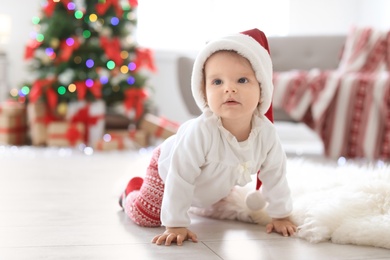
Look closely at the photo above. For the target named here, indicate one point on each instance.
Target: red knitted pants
(143, 206)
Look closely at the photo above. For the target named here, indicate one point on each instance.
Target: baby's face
(231, 87)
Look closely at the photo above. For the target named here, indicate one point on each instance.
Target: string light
(69, 41)
(72, 88)
(40, 37)
(49, 52)
(110, 65)
(78, 14)
(90, 63)
(116, 88)
(93, 17)
(71, 6)
(89, 83)
(132, 66)
(14, 92)
(61, 90)
(86, 34)
(25, 90)
(77, 59)
(124, 69)
(124, 54)
(131, 80)
(36, 20)
(104, 80)
(107, 138)
(114, 21)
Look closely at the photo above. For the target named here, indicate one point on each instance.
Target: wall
(306, 17)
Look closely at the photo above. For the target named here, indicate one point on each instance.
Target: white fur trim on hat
(249, 48)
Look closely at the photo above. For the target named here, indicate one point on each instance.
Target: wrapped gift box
(91, 115)
(158, 127)
(123, 139)
(13, 123)
(38, 118)
(109, 143)
(65, 134)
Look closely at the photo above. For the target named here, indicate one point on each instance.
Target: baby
(232, 139)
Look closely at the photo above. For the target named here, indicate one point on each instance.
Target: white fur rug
(347, 204)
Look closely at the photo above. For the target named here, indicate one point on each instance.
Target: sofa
(339, 85)
(304, 53)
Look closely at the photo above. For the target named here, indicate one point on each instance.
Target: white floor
(63, 204)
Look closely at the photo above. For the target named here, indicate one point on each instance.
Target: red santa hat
(252, 45)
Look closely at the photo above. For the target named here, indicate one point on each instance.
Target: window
(187, 25)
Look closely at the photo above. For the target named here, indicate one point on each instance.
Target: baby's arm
(172, 234)
(282, 226)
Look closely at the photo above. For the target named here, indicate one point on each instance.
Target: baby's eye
(243, 80)
(217, 82)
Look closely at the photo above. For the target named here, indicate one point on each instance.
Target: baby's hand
(177, 235)
(282, 226)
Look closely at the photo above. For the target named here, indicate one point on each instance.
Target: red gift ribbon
(164, 123)
(132, 134)
(134, 98)
(83, 116)
(18, 129)
(72, 134)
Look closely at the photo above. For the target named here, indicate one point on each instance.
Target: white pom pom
(255, 201)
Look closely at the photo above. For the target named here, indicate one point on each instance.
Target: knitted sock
(144, 206)
(134, 184)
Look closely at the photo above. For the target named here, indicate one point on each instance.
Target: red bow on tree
(101, 8)
(44, 85)
(112, 48)
(133, 3)
(82, 87)
(134, 98)
(67, 50)
(51, 5)
(144, 57)
(32, 45)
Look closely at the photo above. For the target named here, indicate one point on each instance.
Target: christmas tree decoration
(85, 51)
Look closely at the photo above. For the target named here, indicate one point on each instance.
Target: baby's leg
(142, 201)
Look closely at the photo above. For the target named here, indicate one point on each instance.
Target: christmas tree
(86, 50)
